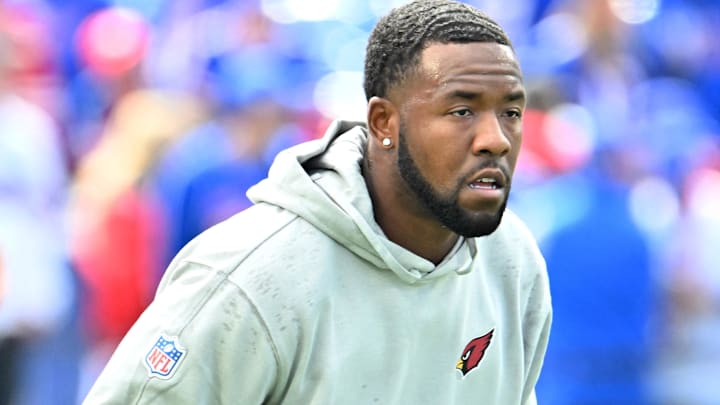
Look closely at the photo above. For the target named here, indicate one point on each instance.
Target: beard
(445, 207)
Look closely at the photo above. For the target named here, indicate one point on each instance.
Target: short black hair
(399, 38)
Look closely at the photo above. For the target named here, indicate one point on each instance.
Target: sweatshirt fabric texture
(301, 299)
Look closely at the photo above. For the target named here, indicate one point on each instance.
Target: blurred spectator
(602, 254)
(117, 229)
(599, 266)
(202, 178)
(690, 349)
(38, 288)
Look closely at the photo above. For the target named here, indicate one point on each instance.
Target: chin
(477, 225)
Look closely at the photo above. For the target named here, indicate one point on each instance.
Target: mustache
(490, 164)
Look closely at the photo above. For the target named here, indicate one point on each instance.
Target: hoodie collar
(322, 182)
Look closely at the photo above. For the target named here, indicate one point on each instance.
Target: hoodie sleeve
(536, 326)
(201, 341)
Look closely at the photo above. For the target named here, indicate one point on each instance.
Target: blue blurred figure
(202, 178)
(599, 267)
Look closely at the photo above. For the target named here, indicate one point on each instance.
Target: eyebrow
(466, 95)
(517, 95)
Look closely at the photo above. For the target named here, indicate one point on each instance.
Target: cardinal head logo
(473, 353)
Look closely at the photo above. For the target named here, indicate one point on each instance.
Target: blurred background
(129, 126)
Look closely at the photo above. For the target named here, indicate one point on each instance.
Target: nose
(489, 136)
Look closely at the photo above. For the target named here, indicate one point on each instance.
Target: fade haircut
(399, 38)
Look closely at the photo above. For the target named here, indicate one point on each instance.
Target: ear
(383, 120)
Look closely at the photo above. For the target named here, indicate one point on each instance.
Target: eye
(461, 112)
(514, 114)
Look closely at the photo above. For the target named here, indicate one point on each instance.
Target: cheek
(438, 151)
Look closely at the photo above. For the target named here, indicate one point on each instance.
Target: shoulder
(262, 229)
(228, 253)
(264, 248)
(228, 243)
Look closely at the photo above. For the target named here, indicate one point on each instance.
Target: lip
(485, 198)
(490, 173)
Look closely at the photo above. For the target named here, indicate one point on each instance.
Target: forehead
(466, 63)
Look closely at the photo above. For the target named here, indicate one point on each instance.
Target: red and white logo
(473, 353)
(164, 356)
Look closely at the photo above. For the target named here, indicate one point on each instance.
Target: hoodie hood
(321, 181)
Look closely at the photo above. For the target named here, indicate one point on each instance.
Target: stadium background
(128, 126)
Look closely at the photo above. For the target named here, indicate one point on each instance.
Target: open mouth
(485, 183)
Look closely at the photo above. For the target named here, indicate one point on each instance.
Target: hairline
(415, 64)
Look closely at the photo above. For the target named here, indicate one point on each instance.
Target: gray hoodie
(301, 299)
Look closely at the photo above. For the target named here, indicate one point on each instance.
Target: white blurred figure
(37, 285)
(689, 361)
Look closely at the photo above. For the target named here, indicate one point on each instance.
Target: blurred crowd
(129, 126)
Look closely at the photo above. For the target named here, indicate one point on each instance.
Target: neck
(401, 216)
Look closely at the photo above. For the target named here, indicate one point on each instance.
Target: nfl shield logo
(164, 356)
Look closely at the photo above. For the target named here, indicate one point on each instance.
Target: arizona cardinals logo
(473, 353)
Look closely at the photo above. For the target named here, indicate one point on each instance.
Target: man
(378, 264)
